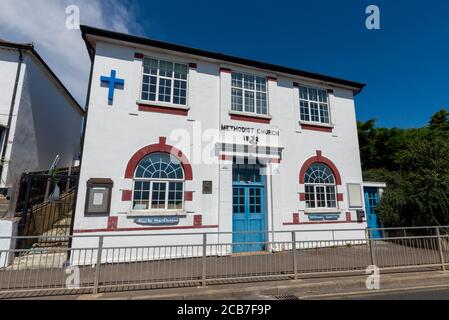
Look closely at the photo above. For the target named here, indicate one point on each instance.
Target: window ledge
(313, 126)
(316, 124)
(164, 105)
(249, 115)
(322, 211)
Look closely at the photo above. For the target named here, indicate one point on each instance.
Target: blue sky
(405, 64)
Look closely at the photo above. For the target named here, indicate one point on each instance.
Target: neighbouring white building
(39, 118)
(180, 140)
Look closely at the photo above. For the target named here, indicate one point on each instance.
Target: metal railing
(36, 187)
(45, 203)
(114, 262)
(49, 219)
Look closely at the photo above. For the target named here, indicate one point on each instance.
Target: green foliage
(378, 145)
(415, 165)
(440, 120)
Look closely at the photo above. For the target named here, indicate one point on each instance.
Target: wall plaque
(207, 187)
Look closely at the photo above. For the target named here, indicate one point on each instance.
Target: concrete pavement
(416, 293)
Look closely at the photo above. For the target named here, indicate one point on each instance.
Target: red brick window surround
(248, 118)
(321, 178)
(157, 188)
(163, 147)
(162, 109)
(319, 158)
(318, 128)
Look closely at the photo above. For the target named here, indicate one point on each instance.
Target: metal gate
(45, 205)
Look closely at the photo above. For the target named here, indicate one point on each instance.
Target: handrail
(216, 233)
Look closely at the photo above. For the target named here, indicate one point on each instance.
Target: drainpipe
(11, 114)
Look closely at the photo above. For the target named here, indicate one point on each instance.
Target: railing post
(371, 249)
(69, 173)
(47, 188)
(25, 216)
(204, 275)
(98, 265)
(440, 249)
(295, 263)
(333, 239)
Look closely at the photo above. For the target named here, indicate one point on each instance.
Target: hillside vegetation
(415, 165)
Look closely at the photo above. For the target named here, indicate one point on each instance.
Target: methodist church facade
(180, 140)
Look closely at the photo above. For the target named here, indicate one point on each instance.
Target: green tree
(440, 120)
(415, 165)
(378, 145)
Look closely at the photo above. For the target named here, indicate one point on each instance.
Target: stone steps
(58, 233)
(39, 259)
(4, 206)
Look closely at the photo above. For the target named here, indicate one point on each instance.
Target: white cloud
(43, 23)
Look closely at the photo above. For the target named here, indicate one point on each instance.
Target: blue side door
(249, 223)
(248, 219)
(372, 199)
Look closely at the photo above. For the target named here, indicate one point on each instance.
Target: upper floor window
(314, 105)
(164, 81)
(159, 183)
(321, 190)
(249, 94)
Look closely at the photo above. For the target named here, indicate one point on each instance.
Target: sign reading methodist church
(249, 130)
(253, 136)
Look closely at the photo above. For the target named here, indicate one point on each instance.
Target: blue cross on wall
(113, 81)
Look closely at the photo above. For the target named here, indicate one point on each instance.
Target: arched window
(321, 190)
(159, 183)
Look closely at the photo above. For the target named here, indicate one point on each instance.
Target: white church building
(179, 140)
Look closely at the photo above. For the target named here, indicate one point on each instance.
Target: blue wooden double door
(249, 208)
(372, 199)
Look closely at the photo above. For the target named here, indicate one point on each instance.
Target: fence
(45, 204)
(48, 220)
(35, 188)
(106, 263)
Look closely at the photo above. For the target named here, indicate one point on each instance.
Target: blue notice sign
(158, 221)
(324, 217)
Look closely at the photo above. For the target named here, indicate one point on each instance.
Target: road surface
(431, 293)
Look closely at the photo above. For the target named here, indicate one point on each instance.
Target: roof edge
(87, 30)
(30, 48)
(14, 45)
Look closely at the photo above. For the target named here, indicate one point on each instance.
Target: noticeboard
(98, 197)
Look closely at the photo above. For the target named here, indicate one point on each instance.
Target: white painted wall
(8, 230)
(8, 89)
(46, 123)
(8, 71)
(115, 133)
